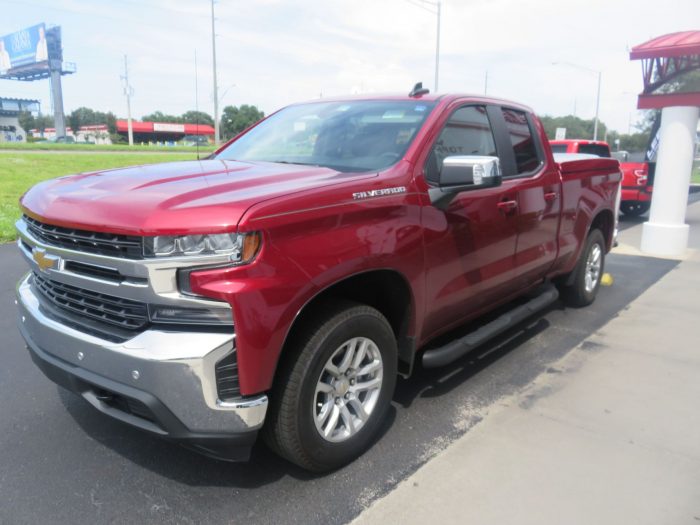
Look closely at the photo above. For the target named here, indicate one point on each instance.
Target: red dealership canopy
(665, 58)
(671, 45)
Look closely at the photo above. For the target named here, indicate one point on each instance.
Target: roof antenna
(418, 90)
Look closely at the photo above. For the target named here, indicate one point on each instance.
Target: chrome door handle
(507, 206)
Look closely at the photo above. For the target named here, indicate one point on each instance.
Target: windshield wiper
(297, 163)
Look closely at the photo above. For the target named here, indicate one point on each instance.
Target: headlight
(241, 247)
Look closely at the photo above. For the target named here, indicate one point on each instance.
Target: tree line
(234, 119)
(578, 128)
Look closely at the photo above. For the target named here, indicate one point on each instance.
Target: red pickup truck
(637, 182)
(282, 284)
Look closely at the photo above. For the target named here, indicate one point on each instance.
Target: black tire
(290, 427)
(634, 208)
(577, 293)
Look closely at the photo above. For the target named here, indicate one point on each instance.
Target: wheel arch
(386, 290)
(605, 222)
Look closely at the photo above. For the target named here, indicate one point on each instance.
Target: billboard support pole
(57, 93)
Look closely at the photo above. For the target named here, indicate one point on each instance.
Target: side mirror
(463, 173)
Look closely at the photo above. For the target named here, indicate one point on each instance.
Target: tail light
(641, 176)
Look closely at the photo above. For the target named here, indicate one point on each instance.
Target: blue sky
(274, 52)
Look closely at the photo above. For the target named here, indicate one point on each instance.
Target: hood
(207, 196)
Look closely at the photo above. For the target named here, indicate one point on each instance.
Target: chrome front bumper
(170, 372)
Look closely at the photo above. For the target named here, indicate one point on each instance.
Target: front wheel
(334, 389)
(588, 272)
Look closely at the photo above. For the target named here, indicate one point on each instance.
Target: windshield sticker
(396, 113)
(378, 193)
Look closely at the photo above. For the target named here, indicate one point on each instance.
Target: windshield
(365, 135)
(559, 148)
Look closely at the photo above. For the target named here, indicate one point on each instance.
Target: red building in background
(164, 131)
(144, 132)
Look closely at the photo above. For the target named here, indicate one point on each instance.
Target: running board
(437, 357)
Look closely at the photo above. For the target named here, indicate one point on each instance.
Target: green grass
(49, 146)
(695, 177)
(21, 170)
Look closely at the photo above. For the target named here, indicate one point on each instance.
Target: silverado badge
(45, 260)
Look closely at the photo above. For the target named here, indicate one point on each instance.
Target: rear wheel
(334, 390)
(634, 208)
(585, 279)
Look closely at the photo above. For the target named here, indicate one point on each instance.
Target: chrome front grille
(116, 311)
(128, 246)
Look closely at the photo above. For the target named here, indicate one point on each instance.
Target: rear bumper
(636, 194)
(160, 381)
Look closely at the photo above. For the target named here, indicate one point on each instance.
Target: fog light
(175, 314)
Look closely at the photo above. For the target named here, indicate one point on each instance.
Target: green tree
(29, 121)
(159, 116)
(26, 120)
(576, 128)
(111, 120)
(81, 117)
(236, 119)
(197, 117)
(89, 117)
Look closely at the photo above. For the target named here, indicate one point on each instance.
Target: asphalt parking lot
(62, 462)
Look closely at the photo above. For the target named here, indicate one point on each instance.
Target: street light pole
(437, 46)
(597, 108)
(597, 99)
(217, 140)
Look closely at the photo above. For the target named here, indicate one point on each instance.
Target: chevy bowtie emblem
(45, 260)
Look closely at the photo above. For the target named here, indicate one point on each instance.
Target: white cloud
(278, 51)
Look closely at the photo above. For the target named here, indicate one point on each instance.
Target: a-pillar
(666, 232)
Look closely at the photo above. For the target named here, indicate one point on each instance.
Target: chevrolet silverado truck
(280, 286)
(637, 177)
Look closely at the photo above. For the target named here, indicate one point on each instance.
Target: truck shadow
(436, 382)
(177, 463)
(525, 351)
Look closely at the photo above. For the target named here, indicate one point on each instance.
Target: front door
(470, 246)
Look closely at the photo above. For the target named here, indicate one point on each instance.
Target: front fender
(302, 255)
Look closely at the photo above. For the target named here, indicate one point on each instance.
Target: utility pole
(127, 92)
(597, 108)
(486, 82)
(216, 89)
(437, 46)
(597, 100)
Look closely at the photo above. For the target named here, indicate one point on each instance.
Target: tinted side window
(521, 138)
(468, 132)
(559, 148)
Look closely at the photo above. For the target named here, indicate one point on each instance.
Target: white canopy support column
(666, 232)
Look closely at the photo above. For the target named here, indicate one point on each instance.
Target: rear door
(536, 183)
(470, 246)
